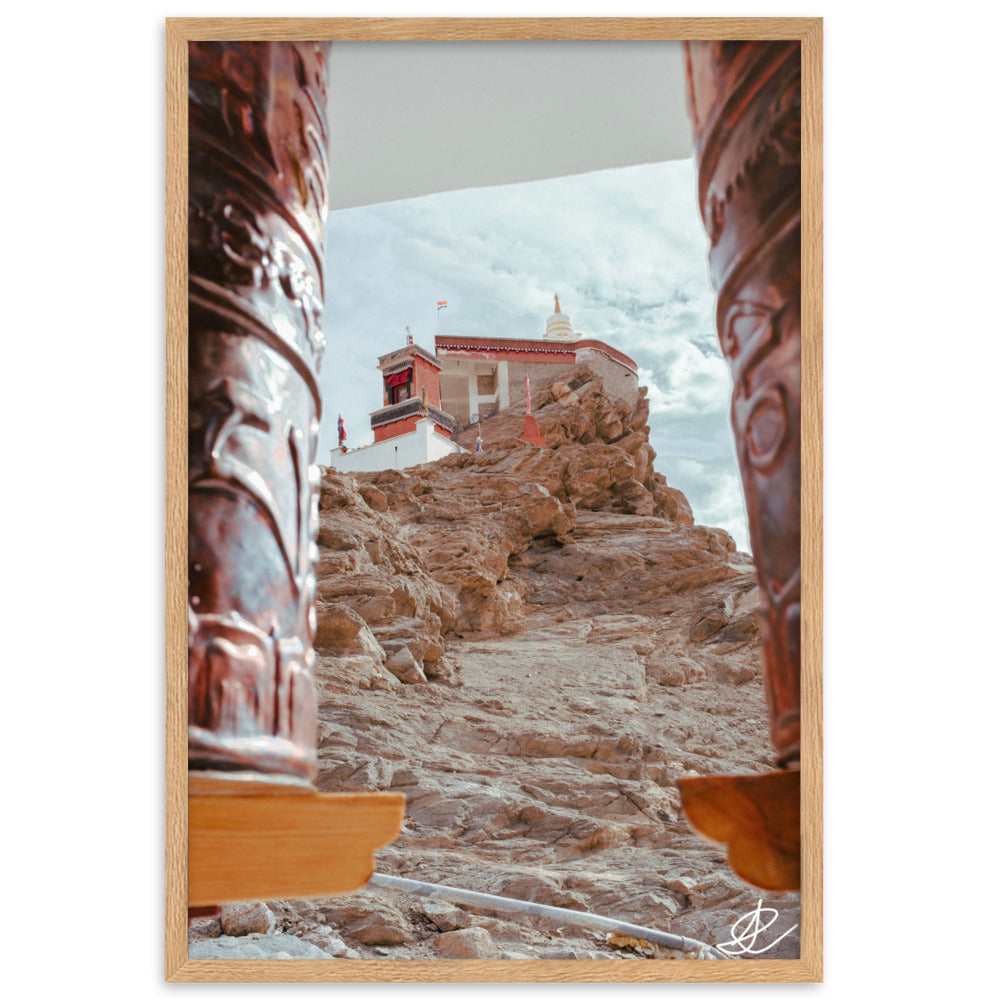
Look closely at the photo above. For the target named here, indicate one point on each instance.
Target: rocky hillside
(533, 645)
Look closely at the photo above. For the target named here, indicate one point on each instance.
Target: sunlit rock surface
(533, 645)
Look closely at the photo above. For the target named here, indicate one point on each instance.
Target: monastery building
(427, 399)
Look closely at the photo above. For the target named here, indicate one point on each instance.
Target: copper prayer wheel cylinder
(745, 105)
(256, 222)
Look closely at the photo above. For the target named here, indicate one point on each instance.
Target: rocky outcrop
(435, 544)
(597, 451)
(533, 644)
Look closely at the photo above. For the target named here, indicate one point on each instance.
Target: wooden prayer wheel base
(285, 846)
(757, 817)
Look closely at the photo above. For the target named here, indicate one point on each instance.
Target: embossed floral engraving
(746, 107)
(256, 219)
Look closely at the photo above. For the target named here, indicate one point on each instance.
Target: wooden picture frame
(179, 31)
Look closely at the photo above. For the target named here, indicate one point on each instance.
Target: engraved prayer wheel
(745, 105)
(746, 108)
(256, 222)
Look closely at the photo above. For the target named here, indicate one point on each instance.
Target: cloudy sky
(623, 248)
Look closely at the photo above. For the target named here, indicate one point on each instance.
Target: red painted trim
(385, 431)
(535, 351)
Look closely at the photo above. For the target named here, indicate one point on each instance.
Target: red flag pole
(531, 434)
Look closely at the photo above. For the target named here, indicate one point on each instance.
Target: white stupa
(558, 326)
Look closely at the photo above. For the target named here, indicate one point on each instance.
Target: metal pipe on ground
(578, 918)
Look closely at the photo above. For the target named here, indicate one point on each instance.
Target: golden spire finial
(557, 304)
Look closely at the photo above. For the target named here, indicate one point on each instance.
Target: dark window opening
(398, 387)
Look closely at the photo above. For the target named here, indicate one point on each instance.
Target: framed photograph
(494, 471)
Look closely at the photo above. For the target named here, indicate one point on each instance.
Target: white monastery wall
(421, 445)
(619, 382)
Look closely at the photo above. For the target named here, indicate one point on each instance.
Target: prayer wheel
(257, 210)
(745, 105)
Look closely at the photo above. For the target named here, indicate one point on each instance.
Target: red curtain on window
(400, 378)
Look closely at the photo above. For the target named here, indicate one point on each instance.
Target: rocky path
(581, 660)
